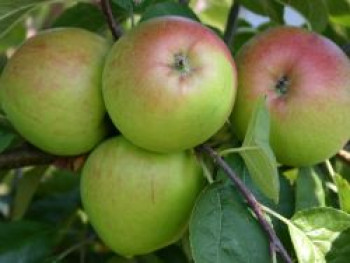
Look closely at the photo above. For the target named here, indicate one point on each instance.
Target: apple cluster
(169, 85)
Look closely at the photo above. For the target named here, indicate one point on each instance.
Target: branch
(231, 24)
(112, 23)
(252, 202)
(28, 155)
(344, 156)
(24, 156)
(346, 49)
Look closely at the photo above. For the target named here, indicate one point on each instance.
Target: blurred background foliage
(41, 219)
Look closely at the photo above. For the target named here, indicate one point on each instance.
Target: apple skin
(136, 200)
(169, 84)
(51, 90)
(310, 109)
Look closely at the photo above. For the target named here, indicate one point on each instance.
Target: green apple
(306, 80)
(169, 84)
(136, 200)
(51, 90)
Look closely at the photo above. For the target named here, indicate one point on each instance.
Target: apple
(51, 90)
(169, 84)
(306, 80)
(136, 200)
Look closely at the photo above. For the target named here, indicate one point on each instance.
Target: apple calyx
(181, 64)
(282, 85)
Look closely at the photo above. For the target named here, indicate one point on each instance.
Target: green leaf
(269, 8)
(6, 138)
(222, 229)
(343, 192)
(125, 4)
(314, 11)
(340, 251)
(82, 15)
(25, 242)
(339, 12)
(213, 12)
(168, 8)
(286, 203)
(8, 22)
(14, 11)
(261, 162)
(315, 231)
(309, 189)
(13, 38)
(54, 208)
(25, 191)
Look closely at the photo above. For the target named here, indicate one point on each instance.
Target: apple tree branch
(231, 24)
(275, 243)
(116, 29)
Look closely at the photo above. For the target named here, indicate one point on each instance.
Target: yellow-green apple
(306, 80)
(169, 84)
(51, 90)
(136, 200)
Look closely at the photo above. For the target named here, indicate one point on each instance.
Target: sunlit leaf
(343, 187)
(314, 233)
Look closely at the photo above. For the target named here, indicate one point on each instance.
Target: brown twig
(24, 156)
(231, 24)
(344, 156)
(27, 155)
(112, 23)
(275, 243)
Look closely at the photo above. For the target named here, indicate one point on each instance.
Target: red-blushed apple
(51, 90)
(306, 80)
(136, 200)
(169, 84)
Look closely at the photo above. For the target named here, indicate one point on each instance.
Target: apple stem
(231, 24)
(275, 243)
(116, 29)
(181, 64)
(282, 85)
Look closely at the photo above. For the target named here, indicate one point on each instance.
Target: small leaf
(25, 242)
(168, 8)
(314, 11)
(261, 163)
(82, 15)
(222, 229)
(269, 8)
(315, 231)
(213, 12)
(343, 192)
(25, 191)
(309, 189)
